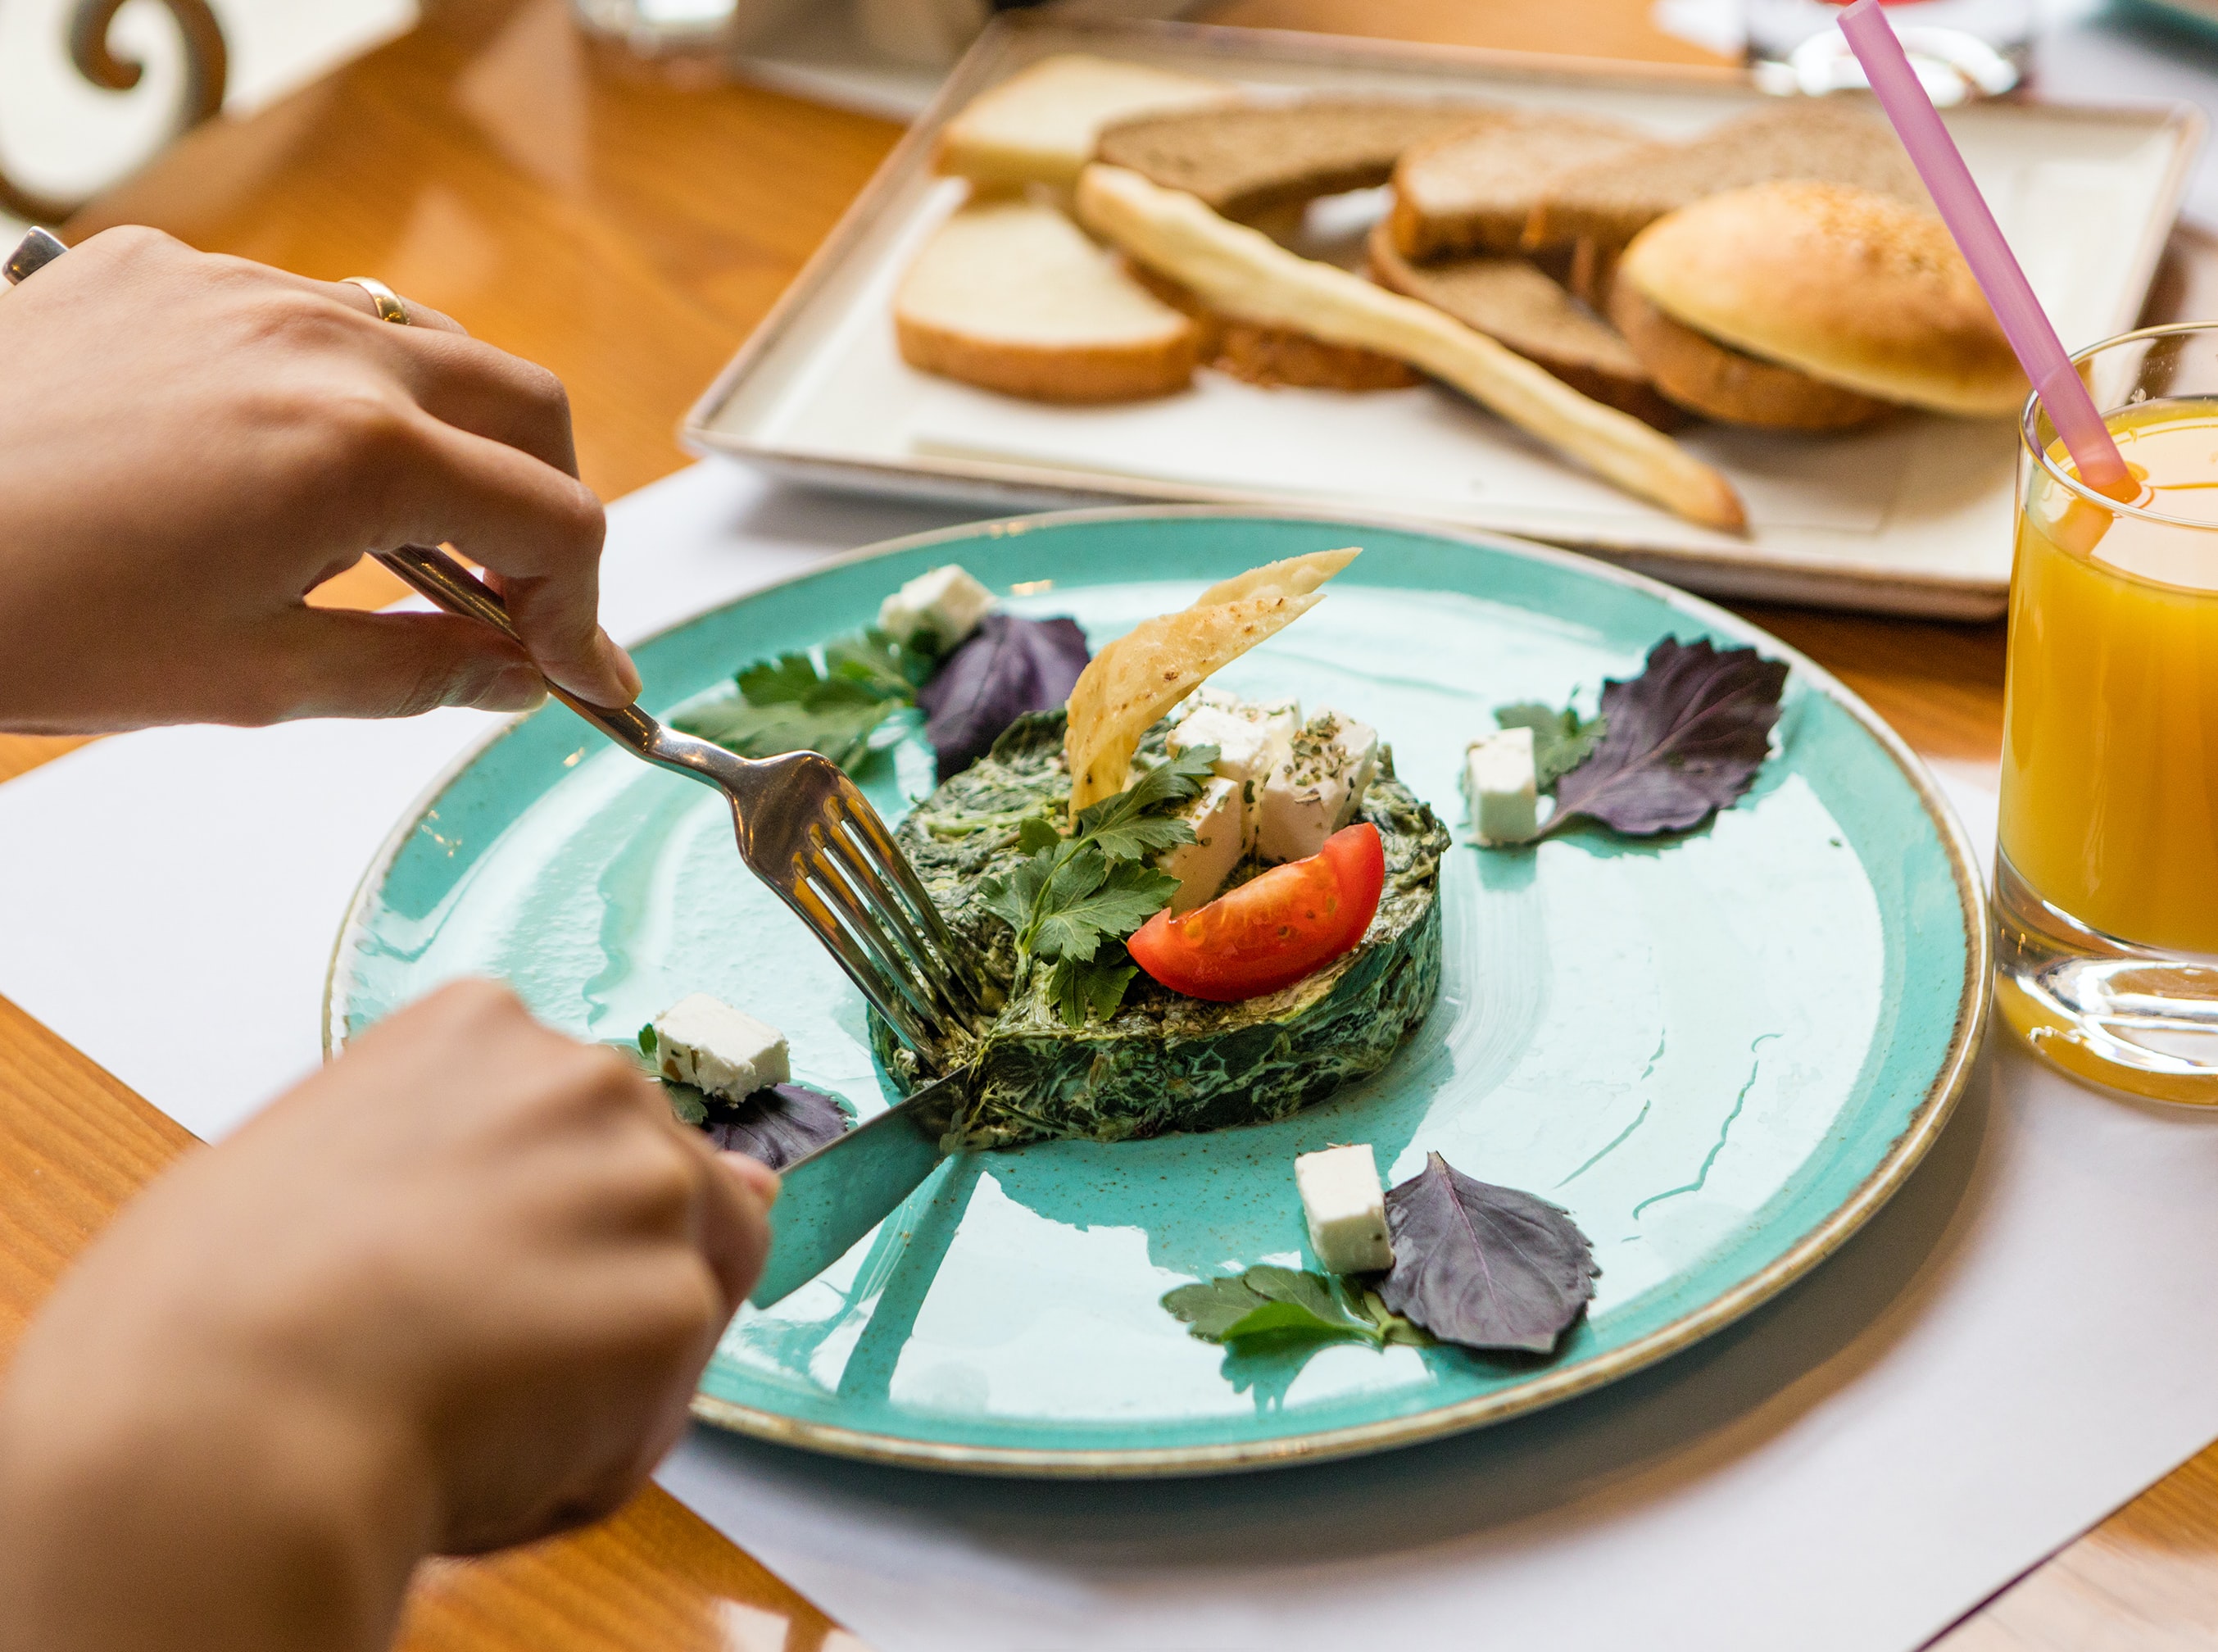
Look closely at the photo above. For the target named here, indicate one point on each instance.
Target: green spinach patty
(1164, 1062)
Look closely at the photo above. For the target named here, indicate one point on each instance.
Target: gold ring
(388, 302)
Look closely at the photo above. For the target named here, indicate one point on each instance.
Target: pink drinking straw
(1895, 84)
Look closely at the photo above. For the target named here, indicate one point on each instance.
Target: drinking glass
(1962, 49)
(2106, 866)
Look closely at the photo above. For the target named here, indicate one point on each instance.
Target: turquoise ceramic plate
(1721, 1052)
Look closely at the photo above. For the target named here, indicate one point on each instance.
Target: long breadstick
(1242, 272)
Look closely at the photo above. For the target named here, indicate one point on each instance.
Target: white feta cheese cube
(1280, 720)
(940, 607)
(1317, 790)
(1244, 749)
(1501, 784)
(703, 1041)
(1246, 752)
(1223, 699)
(1201, 867)
(1346, 1209)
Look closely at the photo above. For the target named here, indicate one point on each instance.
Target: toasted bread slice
(1473, 191)
(1608, 202)
(1513, 303)
(1248, 161)
(1729, 385)
(1012, 295)
(1039, 125)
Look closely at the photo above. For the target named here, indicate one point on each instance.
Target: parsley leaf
(840, 730)
(1123, 825)
(871, 660)
(1281, 1305)
(791, 703)
(1069, 895)
(689, 1105)
(1090, 988)
(1561, 740)
(1014, 896)
(1122, 896)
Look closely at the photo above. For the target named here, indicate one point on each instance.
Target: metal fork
(804, 828)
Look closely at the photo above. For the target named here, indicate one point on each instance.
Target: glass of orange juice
(2106, 869)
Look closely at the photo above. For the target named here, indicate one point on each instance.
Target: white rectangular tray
(1911, 517)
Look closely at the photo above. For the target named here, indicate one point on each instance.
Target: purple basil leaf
(776, 1126)
(1684, 739)
(1009, 666)
(1488, 1267)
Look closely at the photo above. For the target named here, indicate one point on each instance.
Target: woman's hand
(188, 445)
(453, 1292)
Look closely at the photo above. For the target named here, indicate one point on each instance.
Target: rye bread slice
(1473, 191)
(1246, 161)
(1608, 202)
(1513, 303)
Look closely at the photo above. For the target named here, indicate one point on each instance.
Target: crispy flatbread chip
(1296, 575)
(1141, 675)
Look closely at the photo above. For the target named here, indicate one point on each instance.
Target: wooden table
(627, 230)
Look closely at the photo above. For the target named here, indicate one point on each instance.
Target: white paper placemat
(2020, 1342)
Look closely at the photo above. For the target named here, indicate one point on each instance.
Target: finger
(474, 386)
(357, 298)
(452, 376)
(538, 532)
(754, 1172)
(338, 662)
(734, 1232)
(487, 392)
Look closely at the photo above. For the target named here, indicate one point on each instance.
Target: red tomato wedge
(1274, 929)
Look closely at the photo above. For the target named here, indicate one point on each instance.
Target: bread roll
(1718, 382)
(1850, 287)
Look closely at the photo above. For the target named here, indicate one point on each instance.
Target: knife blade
(846, 1188)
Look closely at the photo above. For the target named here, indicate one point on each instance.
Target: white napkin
(2021, 1341)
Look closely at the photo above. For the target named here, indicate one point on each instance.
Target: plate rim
(1922, 1129)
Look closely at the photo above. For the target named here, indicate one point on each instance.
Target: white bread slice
(1012, 295)
(1039, 125)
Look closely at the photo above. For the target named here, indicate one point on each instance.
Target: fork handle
(446, 584)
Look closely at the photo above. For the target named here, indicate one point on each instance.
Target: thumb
(339, 662)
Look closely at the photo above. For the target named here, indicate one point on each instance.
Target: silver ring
(35, 252)
(389, 305)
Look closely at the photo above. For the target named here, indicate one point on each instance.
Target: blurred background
(63, 136)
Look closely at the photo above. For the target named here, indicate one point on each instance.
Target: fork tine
(883, 991)
(829, 879)
(887, 855)
(955, 1001)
